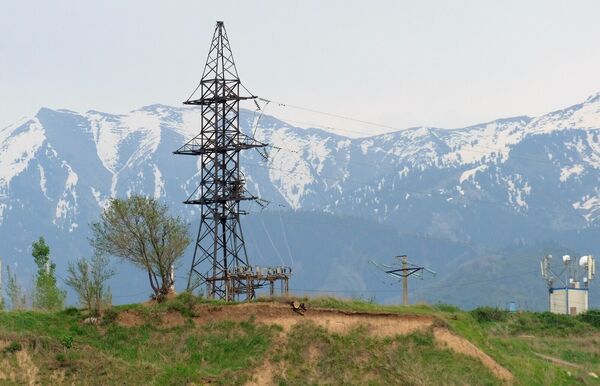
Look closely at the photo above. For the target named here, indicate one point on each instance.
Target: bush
(110, 316)
(61, 358)
(489, 314)
(67, 342)
(591, 317)
(71, 311)
(446, 307)
(12, 348)
(88, 278)
(546, 323)
(184, 303)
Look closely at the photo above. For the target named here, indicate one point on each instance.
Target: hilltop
(191, 341)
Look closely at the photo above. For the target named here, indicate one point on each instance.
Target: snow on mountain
(481, 183)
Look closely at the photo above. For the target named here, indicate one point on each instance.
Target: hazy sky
(404, 63)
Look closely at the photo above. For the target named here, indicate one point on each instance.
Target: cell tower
(402, 271)
(568, 285)
(220, 261)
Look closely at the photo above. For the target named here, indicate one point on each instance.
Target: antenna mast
(568, 288)
(220, 251)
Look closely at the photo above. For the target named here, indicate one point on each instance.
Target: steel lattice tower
(220, 251)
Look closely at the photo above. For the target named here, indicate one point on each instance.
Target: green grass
(66, 351)
(217, 352)
(315, 356)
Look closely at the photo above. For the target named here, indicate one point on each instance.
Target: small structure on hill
(568, 290)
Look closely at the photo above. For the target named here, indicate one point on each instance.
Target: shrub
(67, 342)
(71, 311)
(422, 339)
(184, 303)
(446, 307)
(13, 347)
(88, 278)
(489, 314)
(591, 317)
(13, 289)
(110, 315)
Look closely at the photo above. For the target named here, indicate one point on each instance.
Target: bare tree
(139, 230)
(88, 278)
(16, 296)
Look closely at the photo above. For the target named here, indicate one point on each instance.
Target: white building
(574, 275)
(570, 300)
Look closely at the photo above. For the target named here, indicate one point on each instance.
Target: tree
(15, 294)
(88, 279)
(47, 295)
(139, 230)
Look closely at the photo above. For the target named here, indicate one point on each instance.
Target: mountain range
(479, 204)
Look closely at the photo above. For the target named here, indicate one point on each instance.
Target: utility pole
(404, 280)
(402, 272)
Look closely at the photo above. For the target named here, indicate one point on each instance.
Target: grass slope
(58, 348)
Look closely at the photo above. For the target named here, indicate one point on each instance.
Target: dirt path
(463, 346)
(558, 361)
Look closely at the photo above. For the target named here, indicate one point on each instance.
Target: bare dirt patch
(168, 319)
(29, 370)
(130, 318)
(463, 346)
(378, 324)
(172, 319)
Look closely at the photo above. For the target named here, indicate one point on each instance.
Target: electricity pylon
(220, 249)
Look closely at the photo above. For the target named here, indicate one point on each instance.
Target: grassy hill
(190, 341)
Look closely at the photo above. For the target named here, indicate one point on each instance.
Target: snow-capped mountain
(516, 179)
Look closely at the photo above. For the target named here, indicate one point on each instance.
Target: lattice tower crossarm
(220, 242)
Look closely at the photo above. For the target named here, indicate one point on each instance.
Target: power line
(370, 134)
(332, 114)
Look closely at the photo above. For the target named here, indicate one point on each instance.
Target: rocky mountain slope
(515, 180)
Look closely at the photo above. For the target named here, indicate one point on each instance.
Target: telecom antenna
(402, 271)
(568, 286)
(220, 261)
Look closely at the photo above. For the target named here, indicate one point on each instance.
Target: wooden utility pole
(405, 280)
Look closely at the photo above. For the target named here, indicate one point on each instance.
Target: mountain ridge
(517, 179)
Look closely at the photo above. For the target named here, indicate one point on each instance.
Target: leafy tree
(138, 229)
(15, 294)
(47, 295)
(88, 279)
